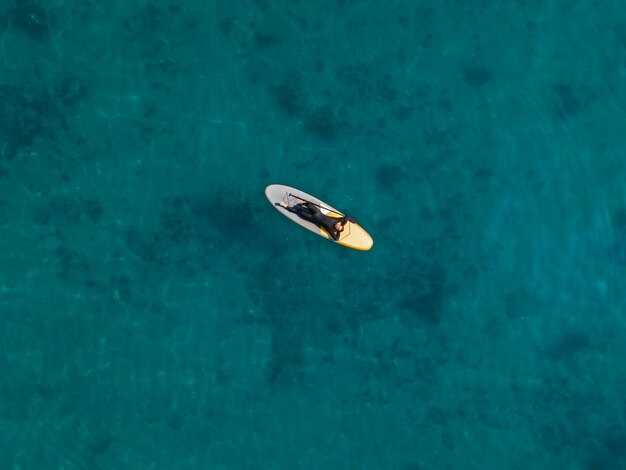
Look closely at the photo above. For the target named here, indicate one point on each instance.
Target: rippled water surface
(157, 312)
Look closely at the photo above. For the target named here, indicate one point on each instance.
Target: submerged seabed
(156, 312)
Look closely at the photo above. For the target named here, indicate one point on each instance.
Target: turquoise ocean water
(157, 313)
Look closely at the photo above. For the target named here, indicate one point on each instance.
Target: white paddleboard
(353, 235)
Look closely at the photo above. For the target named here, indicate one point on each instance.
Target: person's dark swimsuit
(311, 213)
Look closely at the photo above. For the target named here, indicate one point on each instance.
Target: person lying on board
(310, 212)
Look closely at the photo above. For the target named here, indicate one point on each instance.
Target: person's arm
(302, 214)
(332, 233)
(344, 221)
(285, 206)
(329, 228)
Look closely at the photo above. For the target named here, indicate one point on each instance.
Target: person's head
(339, 226)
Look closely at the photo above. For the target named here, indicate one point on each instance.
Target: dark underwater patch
(287, 359)
(289, 100)
(30, 19)
(69, 208)
(425, 294)
(385, 90)
(389, 176)
(438, 137)
(24, 116)
(175, 220)
(321, 122)
(568, 345)
(147, 21)
(611, 454)
(618, 253)
(333, 325)
(72, 264)
(263, 40)
(41, 216)
(438, 417)
(94, 210)
(121, 289)
(569, 104)
(284, 366)
(403, 112)
(477, 76)
(520, 303)
(142, 246)
(619, 221)
(72, 90)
